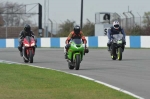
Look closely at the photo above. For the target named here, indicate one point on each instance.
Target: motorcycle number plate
(119, 42)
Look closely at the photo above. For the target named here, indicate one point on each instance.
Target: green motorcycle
(75, 53)
(117, 47)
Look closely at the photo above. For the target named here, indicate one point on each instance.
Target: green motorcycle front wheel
(77, 62)
(119, 53)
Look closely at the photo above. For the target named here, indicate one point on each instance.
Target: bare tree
(15, 14)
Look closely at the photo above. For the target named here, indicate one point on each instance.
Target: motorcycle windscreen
(77, 41)
(29, 39)
(118, 36)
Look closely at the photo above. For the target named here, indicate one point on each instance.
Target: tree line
(67, 27)
(141, 30)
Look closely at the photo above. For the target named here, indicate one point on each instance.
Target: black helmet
(77, 29)
(27, 28)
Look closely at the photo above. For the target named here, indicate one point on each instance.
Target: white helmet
(116, 24)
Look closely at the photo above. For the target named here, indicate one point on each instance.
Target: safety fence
(93, 41)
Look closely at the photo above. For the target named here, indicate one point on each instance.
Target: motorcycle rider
(25, 32)
(75, 34)
(115, 29)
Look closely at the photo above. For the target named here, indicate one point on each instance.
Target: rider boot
(33, 51)
(108, 47)
(123, 48)
(20, 50)
(20, 47)
(66, 53)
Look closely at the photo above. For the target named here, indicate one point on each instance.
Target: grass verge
(25, 82)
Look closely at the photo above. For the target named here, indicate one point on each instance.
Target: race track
(131, 74)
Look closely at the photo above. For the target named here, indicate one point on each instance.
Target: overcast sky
(61, 10)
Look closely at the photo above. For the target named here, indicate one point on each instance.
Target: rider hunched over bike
(75, 34)
(25, 32)
(115, 29)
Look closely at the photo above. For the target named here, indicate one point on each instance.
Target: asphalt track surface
(131, 74)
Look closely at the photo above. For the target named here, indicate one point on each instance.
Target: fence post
(51, 26)
(133, 18)
(140, 18)
(126, 19)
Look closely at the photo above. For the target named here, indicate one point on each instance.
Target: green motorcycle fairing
(76, 47)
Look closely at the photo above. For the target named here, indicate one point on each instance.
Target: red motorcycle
(28, 49)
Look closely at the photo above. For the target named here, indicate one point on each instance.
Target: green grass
(25, 82)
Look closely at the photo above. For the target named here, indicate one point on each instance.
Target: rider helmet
(116, 24)
(77, 29)
(27, 28)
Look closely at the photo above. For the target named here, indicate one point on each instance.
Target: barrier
(92, 41)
